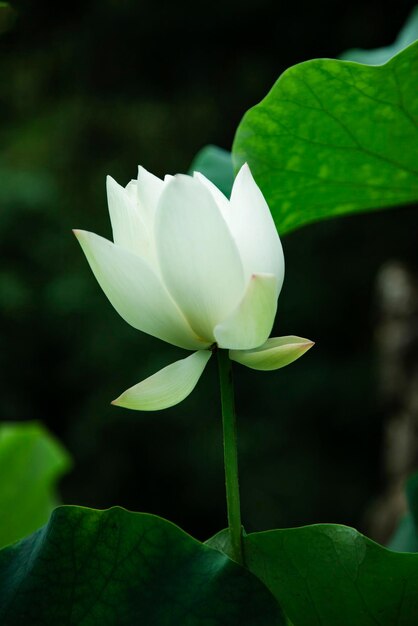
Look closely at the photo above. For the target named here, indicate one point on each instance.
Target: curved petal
(198, 257)
(275, 353)
(128, 228)
(149, 189)
(220, 199)
(136, 292)
(167, 387)
(253, 229)
(251, 322)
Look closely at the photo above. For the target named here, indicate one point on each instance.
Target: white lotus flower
(196, 270)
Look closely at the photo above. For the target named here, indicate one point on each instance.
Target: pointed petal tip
(119, 400)
(142, 173)
(81, 235)
(145, 174)
(303, 344)
(244, 170)
(110, 181)
(276, 353)
(119, 403)
(308, 344)
(245, 177)
(168, 387)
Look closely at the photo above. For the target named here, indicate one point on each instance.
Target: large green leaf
(216, 164)
(334, 137)
(118, 568)
(31, 461)
(329, 575)
(407, 35)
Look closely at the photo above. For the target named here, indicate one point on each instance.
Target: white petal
(198, 257)
(128, 228)
(167, 387)
(132, 190)
(251, 322)
(220, 199)
(275, 353)
(253, 228)
(149, 190)
(136, 292)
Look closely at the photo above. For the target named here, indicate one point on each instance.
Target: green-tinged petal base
(251, 322)
(167, 387)
(275, 353)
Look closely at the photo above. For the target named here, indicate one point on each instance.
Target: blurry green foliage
(405, 538)
(7, 16)
(31, 461)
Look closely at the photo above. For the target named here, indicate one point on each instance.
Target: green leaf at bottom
(116, 568)
(329, 575)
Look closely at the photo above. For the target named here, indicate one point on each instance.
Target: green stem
(230, 454)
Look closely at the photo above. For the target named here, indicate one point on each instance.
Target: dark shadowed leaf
(325, 575)
(118, 568)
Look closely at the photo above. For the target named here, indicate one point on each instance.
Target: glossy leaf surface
(327, 574)
(334, 137)
(118, 568)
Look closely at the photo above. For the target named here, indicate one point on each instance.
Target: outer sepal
(167, 387)
(275, 353)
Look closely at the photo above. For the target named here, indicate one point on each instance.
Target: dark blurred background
(95, 87)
